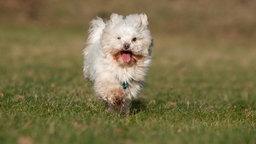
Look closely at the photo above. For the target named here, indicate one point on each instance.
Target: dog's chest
(125, 75)
(129, 74)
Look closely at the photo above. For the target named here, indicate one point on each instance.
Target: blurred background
(200, 87)
(196, 39)
(228, 19)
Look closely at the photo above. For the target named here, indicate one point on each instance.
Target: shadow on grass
(137, 106)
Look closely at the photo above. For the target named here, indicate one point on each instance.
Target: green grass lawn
(198, 90)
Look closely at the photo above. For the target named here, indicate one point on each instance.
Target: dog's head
(127, 39)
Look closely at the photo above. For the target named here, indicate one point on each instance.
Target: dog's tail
(95, 31)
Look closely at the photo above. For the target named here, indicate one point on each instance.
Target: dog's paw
(117, 96)
(118, 102)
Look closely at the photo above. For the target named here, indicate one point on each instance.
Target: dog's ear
(144, 19)
(115, 17)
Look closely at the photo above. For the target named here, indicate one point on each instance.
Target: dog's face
(127, 40)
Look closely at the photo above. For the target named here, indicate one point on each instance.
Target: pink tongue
(126, 57)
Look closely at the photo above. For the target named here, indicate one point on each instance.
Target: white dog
(116, 58)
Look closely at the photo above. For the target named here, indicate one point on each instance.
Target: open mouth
(126, 56)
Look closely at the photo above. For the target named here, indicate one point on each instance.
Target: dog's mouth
(126, 56)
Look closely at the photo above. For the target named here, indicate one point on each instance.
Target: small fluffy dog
(116, 58)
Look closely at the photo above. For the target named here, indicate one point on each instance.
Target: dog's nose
(126, 46)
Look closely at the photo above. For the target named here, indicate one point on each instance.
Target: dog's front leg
(111, 91)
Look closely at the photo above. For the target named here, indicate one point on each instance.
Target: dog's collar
(124, 85)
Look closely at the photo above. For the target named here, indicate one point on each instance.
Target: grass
(198, 90)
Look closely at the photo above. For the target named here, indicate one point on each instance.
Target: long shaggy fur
(118, 52)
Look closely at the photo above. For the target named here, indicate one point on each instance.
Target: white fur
(104, 71)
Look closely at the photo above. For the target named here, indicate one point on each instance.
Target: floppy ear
(144, 19)
(115, 17)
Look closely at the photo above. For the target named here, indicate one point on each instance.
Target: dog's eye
(119, 38)
(134, 39)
